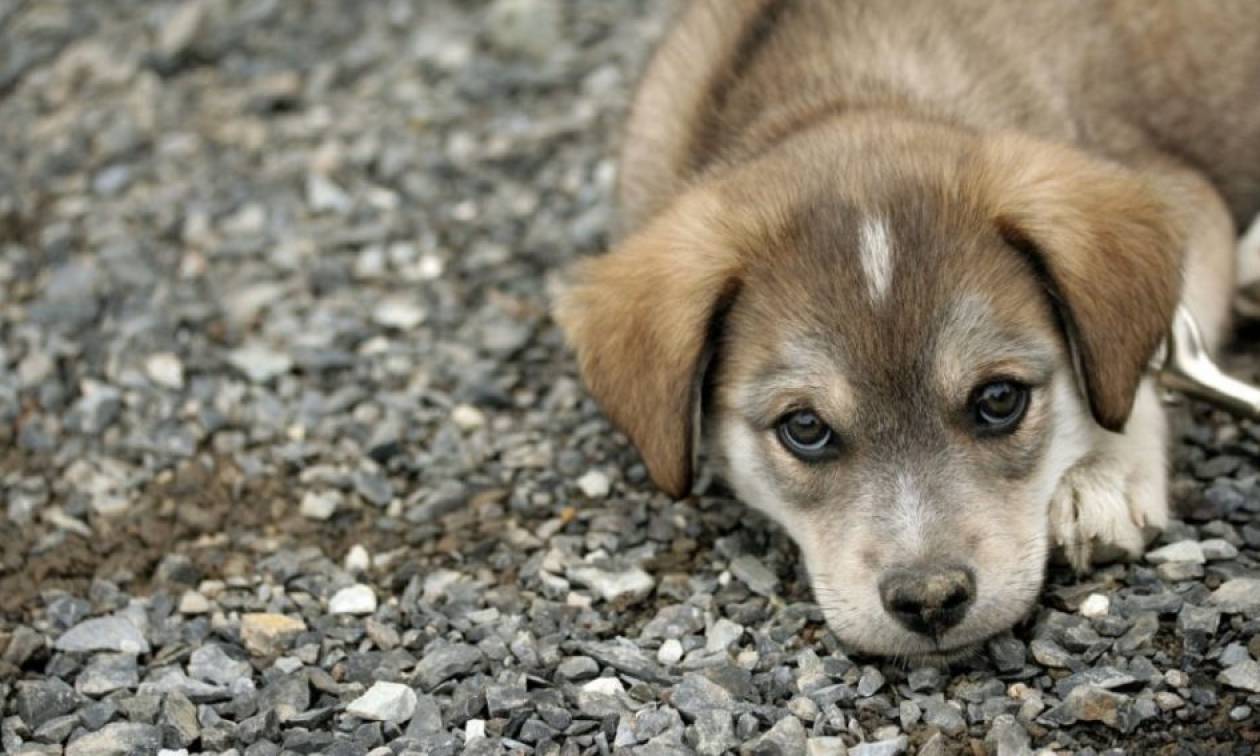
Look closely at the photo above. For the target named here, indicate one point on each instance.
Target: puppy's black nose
(928, 600)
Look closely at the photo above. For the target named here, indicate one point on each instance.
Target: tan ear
(639, 319)
(1109, 249)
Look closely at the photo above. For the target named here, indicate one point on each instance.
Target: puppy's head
(908, 336)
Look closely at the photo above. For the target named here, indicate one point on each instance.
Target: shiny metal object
(1185, 366)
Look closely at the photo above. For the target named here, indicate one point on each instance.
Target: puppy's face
(894, 389)
(898, 366)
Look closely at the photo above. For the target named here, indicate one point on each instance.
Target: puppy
(901, 266)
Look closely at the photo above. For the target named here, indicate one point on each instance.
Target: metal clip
(1184, 366)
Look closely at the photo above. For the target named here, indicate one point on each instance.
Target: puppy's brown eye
(999, 406)
(805, 434)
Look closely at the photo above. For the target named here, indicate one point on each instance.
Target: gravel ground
(294, 462)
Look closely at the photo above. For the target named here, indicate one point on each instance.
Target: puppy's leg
(1249, 271)
(1108, 504)
(1116, 497)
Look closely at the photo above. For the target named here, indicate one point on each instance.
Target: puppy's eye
(805, 434)
(999, 406)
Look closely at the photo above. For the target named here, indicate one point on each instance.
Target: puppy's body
(1133, 80)
(866, 216)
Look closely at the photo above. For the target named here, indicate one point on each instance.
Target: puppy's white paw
(1107, 507)
(1247, 303)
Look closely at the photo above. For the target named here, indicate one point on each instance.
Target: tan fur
(1110, 248)
(640, 350)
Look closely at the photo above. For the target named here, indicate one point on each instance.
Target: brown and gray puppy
(901, 265)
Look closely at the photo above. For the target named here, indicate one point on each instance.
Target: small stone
(107, 673)
(670, 652)
(468, 418)
(1181, 551)
(1087, 703)
(260, 364)
(945, 717)
(181, 29)
(714, 732)
(924, 679)
(192, 602)
(722, 635)
(357, 559)
(323, 195)
(1095, 605)
(1007, 737)
(870, 682)
(629, 586)
(890, 747)
(399, 313)
(1244, 675)
(179, 719)
(1050, 654)
(577, 669)
(319, 505)
(525, 27)
(826, 746)
(446, 661)
(117, 739)
(751, 572)
(355, 599)
(1008, 653)
(166, 370)
(787, 736)
(697, 693)
(594, 484)
(104, 634)
(266, 634)
(210, 663)
(38, 701)
(1240, 713)
(1233, 654)
(1238, 596)
(1218, 549)
(385, 702)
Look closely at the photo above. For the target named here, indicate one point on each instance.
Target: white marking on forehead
(875, 253)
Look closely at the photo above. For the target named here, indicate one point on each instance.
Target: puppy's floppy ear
(639, 319)
(1110, 252)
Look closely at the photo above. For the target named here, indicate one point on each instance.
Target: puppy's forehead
(899, 290)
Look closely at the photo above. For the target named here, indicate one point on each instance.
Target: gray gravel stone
(118, 739)
(1244, 675)
(104, 634)
(385, 702)
(751, 572)
(889, 747)
(38, 701)
(446, 661)
(106, 673)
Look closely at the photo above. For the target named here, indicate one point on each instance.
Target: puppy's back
(1118, 77)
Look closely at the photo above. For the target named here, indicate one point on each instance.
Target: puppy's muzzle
(928, 600)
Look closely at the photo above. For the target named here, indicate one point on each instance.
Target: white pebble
(385, 702)
(399, 313)
(356, 599)
(193, 603)
(467, 417)
(670, 652)
(594, 484)
(474, 729)
(358, 559)
(320, 505)
(1181, 551)
(608, 686)
(1095, 605)
(165, 370)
